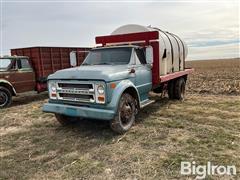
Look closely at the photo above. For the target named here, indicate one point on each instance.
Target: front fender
(3, 81)
(118, 91)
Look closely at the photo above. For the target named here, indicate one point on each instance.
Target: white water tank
(172, 50)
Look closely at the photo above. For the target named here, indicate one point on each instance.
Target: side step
(146, 102)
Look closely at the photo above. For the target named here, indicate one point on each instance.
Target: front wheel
(125, 117)
(5, 97)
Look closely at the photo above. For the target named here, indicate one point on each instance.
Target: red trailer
(28, 68)
(47, 60)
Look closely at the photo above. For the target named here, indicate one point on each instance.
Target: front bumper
(79, 111)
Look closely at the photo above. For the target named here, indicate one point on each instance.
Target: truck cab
(16, 76)
(111, 84)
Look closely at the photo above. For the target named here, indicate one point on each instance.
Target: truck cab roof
(12, 57)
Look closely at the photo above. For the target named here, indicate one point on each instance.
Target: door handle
(132, 71)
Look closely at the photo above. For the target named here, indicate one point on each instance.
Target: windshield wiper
(86, 64)
(104, 63)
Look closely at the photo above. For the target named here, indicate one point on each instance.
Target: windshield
(108, 56)
(4, 64)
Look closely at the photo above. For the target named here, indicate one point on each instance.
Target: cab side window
(141, 56)
(23, 64)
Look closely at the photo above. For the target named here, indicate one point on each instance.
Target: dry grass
(202, 128)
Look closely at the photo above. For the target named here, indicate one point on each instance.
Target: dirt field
(215, 77)
(205, 127)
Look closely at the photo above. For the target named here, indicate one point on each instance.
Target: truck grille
(77, 92)
(76, 86)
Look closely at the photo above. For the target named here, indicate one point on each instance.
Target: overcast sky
(211, 29)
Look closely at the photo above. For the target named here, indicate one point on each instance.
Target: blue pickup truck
(114, 81)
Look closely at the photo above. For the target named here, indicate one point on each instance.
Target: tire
(171, 94)
(65, 120)
(5, 97)
(179, 90)
(125, 117)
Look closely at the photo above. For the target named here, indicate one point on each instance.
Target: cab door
(143, 74)
(24, 76)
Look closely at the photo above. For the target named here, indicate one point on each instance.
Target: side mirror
(149, 55)
(73, 58)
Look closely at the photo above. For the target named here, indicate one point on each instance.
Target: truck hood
(4, 73)
(93, 72)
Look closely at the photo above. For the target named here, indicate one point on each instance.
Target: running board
(146, 102)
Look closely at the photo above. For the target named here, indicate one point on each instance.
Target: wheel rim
(126, 112)
(3, 99)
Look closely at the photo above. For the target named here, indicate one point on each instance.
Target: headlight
(100, 89)
(52, 88)
(100, 93)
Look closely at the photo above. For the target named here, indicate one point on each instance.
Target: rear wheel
(179, 90)
(5, 97)
(171, 93)
(125, 117)
(65, 120)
